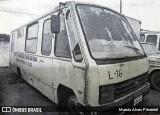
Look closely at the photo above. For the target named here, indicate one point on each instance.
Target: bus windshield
(107, 33)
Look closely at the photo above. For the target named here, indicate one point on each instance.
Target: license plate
(137, 100)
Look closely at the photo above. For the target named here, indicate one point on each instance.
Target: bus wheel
(155, 81)
(73, 106)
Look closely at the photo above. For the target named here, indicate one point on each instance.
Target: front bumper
(126, 100)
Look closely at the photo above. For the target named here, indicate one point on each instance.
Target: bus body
(151, 36)
(136, 25)
(154, 66)
(84, 53)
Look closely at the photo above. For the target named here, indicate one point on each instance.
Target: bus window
(20, 33)
(107, 34)
(31, 39)
(12, 42)
(46, 38)
(75, 48)
(152, 39)
(142, 38)
(159, 46)
(62, 48)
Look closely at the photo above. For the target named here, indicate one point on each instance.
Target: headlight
(106, 94)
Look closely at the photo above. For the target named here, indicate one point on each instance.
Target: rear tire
(155, 81)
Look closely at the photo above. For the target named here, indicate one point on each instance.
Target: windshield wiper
(135, 48)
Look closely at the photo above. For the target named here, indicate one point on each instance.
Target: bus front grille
(126, 87)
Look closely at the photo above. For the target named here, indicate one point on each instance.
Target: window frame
(159, 44)
(106, 61)
(55, 42)
(152, 38)
(143, 36)
(72, 36)
(42, 37)
(12, 42)
(34, 23)
(20, 33)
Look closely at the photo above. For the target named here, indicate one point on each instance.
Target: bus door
(43, 70)
(78, 61)
(68, 57)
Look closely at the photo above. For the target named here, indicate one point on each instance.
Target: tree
(4, 37)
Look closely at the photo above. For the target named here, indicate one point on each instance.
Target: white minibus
(81, 54)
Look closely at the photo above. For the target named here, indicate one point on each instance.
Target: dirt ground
(14, 91)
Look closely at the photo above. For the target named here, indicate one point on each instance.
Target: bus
(151, 36)
(154, 66)
(81, 54)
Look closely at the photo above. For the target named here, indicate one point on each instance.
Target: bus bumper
(127, 100)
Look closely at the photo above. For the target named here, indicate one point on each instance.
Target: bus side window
(152, 39)
(142, 38)
(12, 42)
(159, 45)
(31, 38)
(20, 33)
(46, 38)
(62, 48)
(75, 48)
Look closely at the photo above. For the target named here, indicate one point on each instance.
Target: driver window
(62, 48)
(74, 42)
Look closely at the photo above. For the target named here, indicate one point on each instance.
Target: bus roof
(149, 32)
(61, 6)
(46, 14)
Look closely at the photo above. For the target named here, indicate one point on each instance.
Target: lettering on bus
(24, 62)
(24, 56)
(117, 74)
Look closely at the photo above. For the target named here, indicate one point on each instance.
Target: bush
(4, 37)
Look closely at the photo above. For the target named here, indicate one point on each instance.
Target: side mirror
(55, 24)
(77, 54)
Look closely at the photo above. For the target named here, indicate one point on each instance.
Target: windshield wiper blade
(135, 48)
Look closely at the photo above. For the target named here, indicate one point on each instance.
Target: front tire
(155, 81)
(73, 105)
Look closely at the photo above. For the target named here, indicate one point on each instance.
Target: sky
(147, 11)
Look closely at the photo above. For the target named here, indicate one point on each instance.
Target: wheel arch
(153, 71)
(64, 92)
